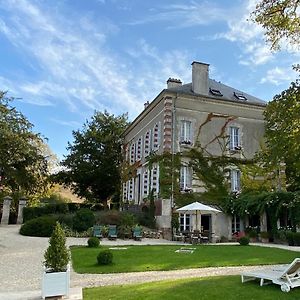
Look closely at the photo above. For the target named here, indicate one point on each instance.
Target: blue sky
(67, 58)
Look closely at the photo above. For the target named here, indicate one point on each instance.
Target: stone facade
(223, 120)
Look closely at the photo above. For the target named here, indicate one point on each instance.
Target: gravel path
(21, 264)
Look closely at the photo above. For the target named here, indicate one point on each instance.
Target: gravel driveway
(22, 257)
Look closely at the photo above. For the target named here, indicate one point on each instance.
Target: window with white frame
(147, 143)
(132, 153)
(139, 149)
(185, 178)
(145, 183)
(235, 180)
(156, 136)
(185, 222)
(131, 189)
(186, 132)
(125, 192)
(236, 224)
(234, 138)
(155, 179)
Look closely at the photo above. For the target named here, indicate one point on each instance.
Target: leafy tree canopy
(280, 19)
(92, 168)
(282, 117)
(23, 165)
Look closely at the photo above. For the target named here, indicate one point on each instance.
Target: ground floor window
(236, 224)
(185, 222)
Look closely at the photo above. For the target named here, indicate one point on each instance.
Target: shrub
(66, 219)
(57, 255)
(105, 257)
(244, 241)
(42, 226)
(290, 237)
(108, 217)
(128, 219)
(83, 219)
(175, 221)
(124, 232)
(93, 242)
(296, 238)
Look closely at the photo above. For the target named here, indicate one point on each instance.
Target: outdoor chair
(287, 278)
(112, 232)
(137, 234)
(97, 231)
(178, 236)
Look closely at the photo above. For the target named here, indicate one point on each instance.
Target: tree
(57, 255)
(92, 168)
(22, 163)
(282, 117)
(280, 19)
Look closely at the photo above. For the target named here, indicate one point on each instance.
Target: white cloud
(75, 67)
(184, 15)
(73, 124)
(278, 76)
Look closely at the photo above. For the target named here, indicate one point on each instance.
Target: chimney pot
(173, 83)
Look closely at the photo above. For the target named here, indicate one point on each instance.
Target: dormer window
(215, 92)
(240, 96)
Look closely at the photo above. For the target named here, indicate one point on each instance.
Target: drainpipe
(173, 146)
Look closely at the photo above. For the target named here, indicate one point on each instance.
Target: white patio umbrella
(197, 207)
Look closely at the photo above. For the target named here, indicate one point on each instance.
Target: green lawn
(225, 287)
(149, 258)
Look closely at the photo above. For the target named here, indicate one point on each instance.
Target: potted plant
(56, 276)
(264, 236)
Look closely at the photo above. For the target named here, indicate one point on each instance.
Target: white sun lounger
(287, 278)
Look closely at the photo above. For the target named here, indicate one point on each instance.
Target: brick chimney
(200, 78)
(173, 83)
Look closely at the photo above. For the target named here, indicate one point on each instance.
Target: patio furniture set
(98, 231)
(194, 237)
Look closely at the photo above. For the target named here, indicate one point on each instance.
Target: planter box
(56, 283)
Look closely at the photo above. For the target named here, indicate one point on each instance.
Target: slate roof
(228, 93)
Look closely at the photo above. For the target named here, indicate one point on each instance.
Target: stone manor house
(171, 122)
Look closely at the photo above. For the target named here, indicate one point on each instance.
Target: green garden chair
(112, 232)
(97, 231)
(137, 233)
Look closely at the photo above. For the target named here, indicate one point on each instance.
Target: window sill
(186, 190)
(186, 144)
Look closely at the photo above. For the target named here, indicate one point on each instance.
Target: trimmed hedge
(244, 241)
(83, 220)
(93, 242)
(30, 213)
(105, 257)
(42, 226)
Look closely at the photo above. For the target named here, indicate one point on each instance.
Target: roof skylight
(240, 96)
(215, 92)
